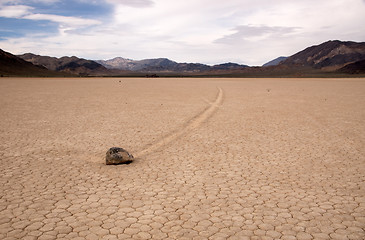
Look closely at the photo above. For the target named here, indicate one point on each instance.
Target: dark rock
(152, 76)
(116, 155)
(354, 68)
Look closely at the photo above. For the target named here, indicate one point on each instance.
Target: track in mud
(190, 126)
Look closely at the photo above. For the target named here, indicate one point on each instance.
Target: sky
(205, 31)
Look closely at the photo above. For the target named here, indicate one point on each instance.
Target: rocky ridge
(73, 65)
(330, 55)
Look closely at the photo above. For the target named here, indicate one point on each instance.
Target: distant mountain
(117, 63)
(331, 55)
(11, 65)
(228, 66)
(331, 58)
(275, 62)
(72, 65)
(163, 65)
(326, 57)
(178, 68)
(137, 65)
(152, 65)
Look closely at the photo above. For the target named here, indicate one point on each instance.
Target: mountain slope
(275, 61)
(117, 63)
(228, 66)
(71, 65)
(353, 68)
(11, 65)
(330, 55)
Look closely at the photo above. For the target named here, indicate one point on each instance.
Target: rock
(116, 155)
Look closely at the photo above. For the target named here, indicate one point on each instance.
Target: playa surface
(215, 158)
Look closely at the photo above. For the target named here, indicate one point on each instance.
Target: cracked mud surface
(216, 159)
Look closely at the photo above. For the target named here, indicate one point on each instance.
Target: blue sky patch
(75, 9)
(12, 27)
(19, 27)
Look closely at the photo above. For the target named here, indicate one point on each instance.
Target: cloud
(9, 1)
(44, 1)
(133, 3)
(16, 11)
(249, 32)
(28, 2)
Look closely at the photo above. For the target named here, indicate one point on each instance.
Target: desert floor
(215, 158)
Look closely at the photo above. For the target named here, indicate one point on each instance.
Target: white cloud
(133, 3)
(254, 33)
(16, 11)
(43, 1)
(27, 2)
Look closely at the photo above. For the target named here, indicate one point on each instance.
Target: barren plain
(215, 158)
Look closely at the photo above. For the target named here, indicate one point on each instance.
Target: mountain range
(331, 55)
(326, 59)
(163, 65)
(11, 65)
(71, 65)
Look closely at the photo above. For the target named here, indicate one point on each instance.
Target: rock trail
(190, 126)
